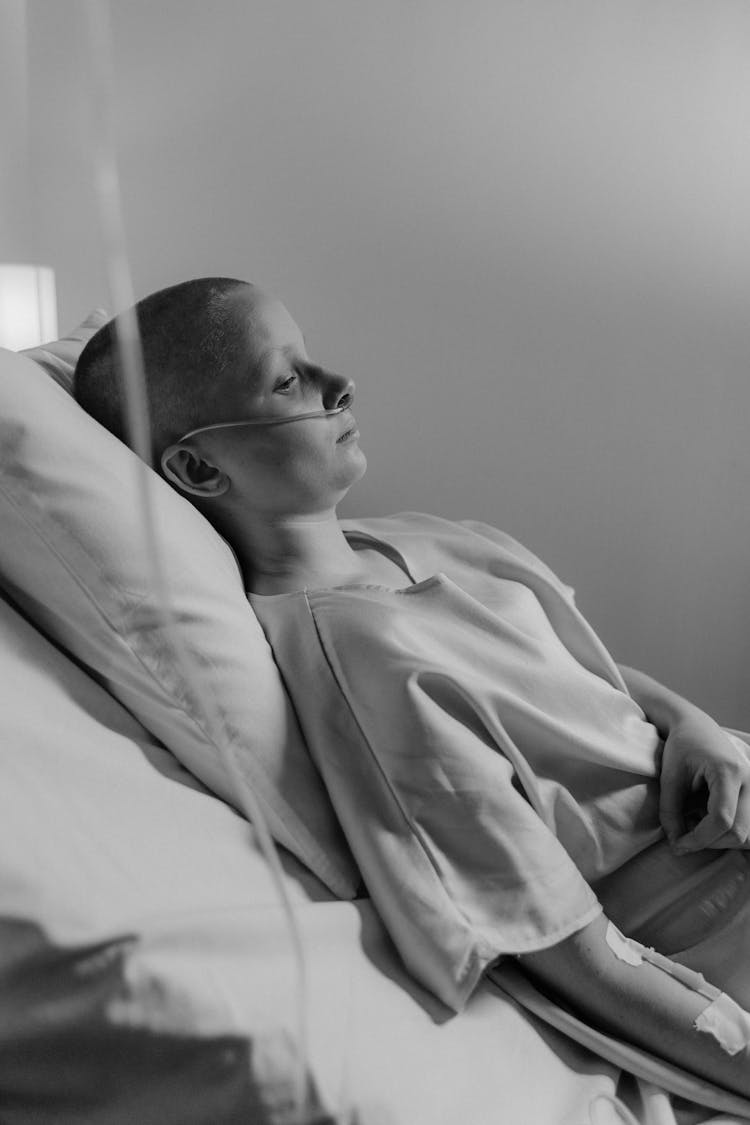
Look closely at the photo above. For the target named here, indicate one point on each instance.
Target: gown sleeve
(459, 865)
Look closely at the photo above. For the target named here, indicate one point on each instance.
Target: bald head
(192, 340)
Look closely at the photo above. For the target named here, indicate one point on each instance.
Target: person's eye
(286, 383)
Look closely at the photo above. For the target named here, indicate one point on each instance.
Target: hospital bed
(148, 971)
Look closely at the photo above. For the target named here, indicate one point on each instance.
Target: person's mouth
(349, 434)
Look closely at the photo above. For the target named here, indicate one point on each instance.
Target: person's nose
(339, 392)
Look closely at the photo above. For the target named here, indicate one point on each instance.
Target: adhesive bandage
(623, 948)
(727, 1022)
(723, 1018)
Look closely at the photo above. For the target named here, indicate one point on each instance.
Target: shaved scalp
(190, 336)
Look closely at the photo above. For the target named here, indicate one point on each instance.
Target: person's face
(300, 467)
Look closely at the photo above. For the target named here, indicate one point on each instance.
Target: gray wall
(521, 225)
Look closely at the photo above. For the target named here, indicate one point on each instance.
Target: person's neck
(282, 554)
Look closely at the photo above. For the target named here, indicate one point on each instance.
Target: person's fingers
(721, 814)
(738, 836)
(674, 790)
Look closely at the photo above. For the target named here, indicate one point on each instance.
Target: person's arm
(663, 707)
(705, 780)
(640, 1003)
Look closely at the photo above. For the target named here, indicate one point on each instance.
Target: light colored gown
(496, 782)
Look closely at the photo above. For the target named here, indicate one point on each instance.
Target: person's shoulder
(502, 539)
(398, 521)
(421, 537)
(426, 525)
(434, 541)
(419, 523)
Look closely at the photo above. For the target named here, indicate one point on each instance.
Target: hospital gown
(494, 778)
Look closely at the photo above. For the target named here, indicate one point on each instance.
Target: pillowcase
(59, 358)
(146, 972)
(72, 556)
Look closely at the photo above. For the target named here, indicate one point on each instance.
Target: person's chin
(356, 467)
(362, 462)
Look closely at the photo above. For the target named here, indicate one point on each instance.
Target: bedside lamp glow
(28, 306)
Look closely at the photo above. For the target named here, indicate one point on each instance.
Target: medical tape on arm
(723, 1018)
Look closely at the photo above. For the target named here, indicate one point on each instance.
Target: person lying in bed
(499, 777)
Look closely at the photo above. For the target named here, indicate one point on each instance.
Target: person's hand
(705, 787)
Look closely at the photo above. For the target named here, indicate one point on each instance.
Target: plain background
(522, 226)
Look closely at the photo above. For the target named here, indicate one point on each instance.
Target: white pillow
(60, 357)
(145, 964)
(72, 556)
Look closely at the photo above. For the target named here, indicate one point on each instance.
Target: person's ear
(190, 473)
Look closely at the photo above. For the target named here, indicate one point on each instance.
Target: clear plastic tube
(107, 186)
(265, 421)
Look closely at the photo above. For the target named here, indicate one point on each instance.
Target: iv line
(128, 339)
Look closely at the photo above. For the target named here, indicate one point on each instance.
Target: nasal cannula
(267, 421)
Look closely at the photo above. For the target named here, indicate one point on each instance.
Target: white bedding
(145, 964)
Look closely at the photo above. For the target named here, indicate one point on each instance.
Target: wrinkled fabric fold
(483, 755)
